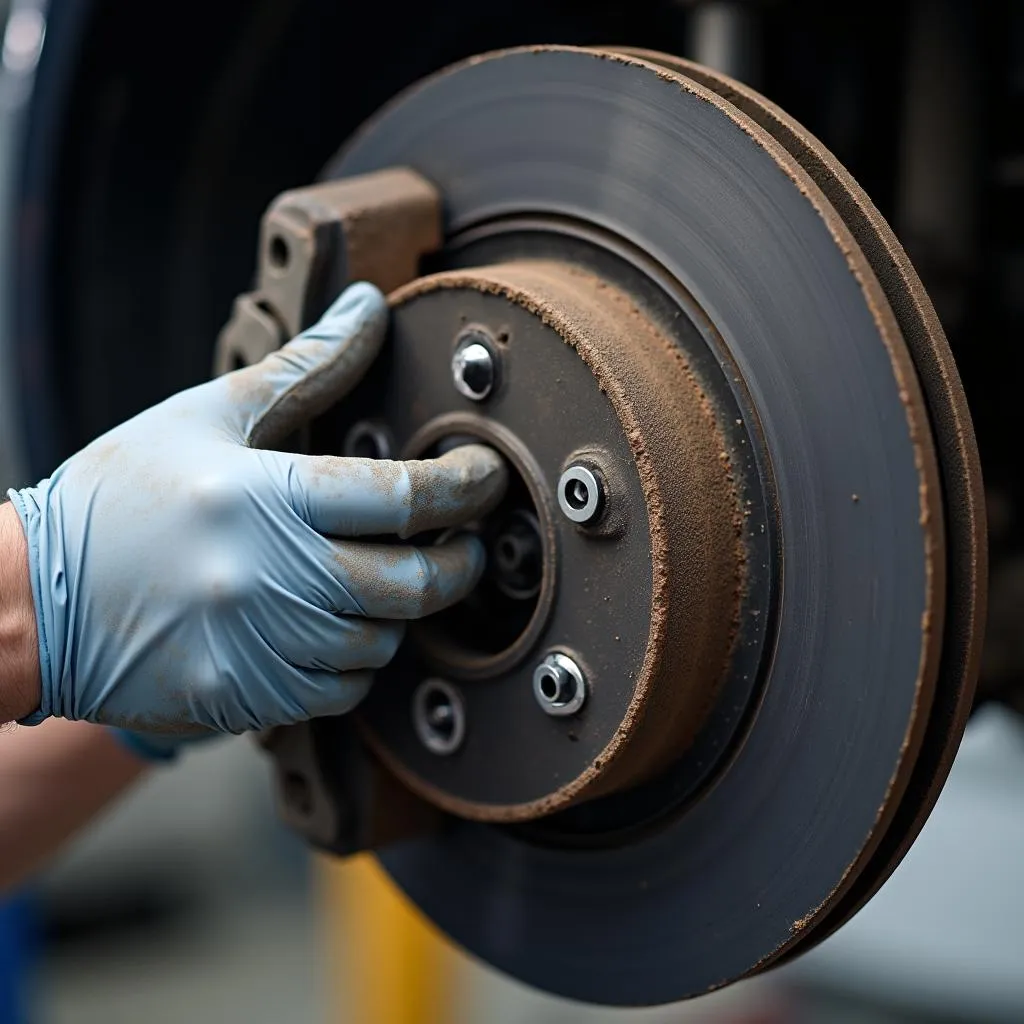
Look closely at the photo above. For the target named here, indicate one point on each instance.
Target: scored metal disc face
(748, 870)
(959, 464)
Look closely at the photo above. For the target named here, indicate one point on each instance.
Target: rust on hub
(675, 503)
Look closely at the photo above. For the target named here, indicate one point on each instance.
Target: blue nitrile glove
(184, 577)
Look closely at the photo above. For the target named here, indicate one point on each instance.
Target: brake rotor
(780, 332)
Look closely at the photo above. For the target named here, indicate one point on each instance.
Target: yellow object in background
(387, 964)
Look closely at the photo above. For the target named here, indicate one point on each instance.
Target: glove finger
(391, 581)
(318, 639)
(366, 497)
(317, 694)
(264, 403)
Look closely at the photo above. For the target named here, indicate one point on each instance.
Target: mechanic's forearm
(19, 651)
(54, 779)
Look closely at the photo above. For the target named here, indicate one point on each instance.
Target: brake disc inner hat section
(633, 157)
(647, 598)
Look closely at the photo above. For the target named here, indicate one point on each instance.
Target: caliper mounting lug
(314, 241)
(333, 792)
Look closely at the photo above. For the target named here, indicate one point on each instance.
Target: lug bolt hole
(549, 687)
(559, 685)
(439, 716)
(508, 554)
(367, 440)
(474, 365)
(577, 494)
(280, 252)
(581, 494)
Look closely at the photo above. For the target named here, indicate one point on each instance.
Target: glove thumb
(313, 371)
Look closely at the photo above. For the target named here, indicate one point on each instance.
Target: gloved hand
(184, 577)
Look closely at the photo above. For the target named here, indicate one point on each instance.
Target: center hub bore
(616, 564)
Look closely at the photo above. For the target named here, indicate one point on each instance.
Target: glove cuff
(50, 601)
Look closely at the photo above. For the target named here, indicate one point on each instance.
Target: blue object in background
(18, 947)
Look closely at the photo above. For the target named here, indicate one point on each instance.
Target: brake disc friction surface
(746, 871)
(963, 490)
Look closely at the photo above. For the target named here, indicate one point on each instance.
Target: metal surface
(252, 333)
(439, 716)
(368, 439)
(963, 492)
(474, 366)
(331, 792)
(580, 494)
(372, 228)
(559, 685)
(518, 556)
(798, 315)
(543, 238)
(314, 240)
(651, 599)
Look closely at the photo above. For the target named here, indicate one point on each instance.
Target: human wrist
(20, 685)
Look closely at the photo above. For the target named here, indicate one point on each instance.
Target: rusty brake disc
(773, 610)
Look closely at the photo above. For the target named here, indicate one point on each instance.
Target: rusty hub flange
(648, 600)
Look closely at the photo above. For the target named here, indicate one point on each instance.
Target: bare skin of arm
(54, 777)
(19, 651)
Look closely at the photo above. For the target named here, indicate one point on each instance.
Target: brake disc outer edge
(959, 463)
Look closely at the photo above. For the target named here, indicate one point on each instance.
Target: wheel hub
(645, 595)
